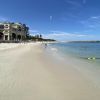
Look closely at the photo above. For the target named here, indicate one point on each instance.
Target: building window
(1, 26)
(19, 29)
(6, 37)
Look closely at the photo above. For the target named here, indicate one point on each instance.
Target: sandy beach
(28, 72)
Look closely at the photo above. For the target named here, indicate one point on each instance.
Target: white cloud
(3, 18)
(73, 3)
(92, 22)
(34, 31)
(63, 35)
(95, 17)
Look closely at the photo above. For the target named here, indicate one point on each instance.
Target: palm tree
(40, 36)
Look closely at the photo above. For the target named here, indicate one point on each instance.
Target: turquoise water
(86, 51)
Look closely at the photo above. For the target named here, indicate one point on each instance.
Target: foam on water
(54, 49)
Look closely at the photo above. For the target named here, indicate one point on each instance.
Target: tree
(40, 36)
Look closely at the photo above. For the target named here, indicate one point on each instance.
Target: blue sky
(58, 19)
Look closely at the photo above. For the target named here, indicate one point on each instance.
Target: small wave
(54, 49)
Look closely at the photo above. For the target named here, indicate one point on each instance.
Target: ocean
(89, 52)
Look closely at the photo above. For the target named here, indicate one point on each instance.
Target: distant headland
(94, 41)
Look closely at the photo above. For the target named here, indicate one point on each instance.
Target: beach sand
(28, 72)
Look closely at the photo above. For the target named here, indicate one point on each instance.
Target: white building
(13, 31)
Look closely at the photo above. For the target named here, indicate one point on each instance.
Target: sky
(62, 20)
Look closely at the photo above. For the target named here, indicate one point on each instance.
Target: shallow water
(89, 52)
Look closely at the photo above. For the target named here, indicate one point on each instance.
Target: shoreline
(88, 68)
(89, 59)
(34, 73)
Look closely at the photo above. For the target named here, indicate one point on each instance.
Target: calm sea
(87, 51)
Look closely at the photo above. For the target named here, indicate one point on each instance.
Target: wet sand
(28, 72)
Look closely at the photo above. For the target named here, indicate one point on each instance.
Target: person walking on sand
(45, 45)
